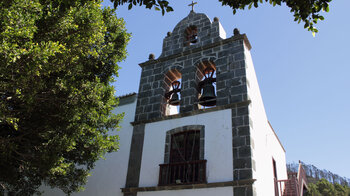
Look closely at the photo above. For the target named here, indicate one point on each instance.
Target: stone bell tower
(200, 126)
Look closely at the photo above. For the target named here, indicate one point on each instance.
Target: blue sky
(304, 80)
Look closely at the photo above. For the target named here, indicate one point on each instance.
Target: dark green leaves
(57, 59)
(306, 11)
(159, 5)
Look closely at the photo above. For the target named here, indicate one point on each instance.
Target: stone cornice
(200, 111)
(194, 50)
(189, 186)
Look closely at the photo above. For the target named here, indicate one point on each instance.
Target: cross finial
(192, 4)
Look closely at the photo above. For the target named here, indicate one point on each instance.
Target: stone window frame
(169, 133)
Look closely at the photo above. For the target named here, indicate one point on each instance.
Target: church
(197, 125)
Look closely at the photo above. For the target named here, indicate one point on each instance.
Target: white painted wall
(222, 191)
(266, 145)
(222, 32)
(217, 146)
(109, 175)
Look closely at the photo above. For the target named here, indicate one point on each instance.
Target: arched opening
(191, 35)
(172, 81)
(206, 80)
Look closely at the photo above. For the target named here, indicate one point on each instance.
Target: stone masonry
(226, 54)
(227, 57)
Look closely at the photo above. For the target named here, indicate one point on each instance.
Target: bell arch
(172, 85)
(206, 83)
(191, 35)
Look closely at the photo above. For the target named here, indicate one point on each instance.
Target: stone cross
(192, 4)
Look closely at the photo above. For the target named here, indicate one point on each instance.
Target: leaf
(157, 8)
(169, 9)
(130, 6)
(250, 5)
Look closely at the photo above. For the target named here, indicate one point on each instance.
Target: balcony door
(184, 147)
(185, 166)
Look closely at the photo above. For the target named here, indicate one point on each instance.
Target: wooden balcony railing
(190, 172)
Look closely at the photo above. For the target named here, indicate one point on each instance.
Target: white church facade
(197, 126)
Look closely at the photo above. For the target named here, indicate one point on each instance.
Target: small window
(191, 34)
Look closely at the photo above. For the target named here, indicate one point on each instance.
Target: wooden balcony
(190, 172)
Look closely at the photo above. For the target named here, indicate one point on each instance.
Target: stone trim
(236, 183)
(194, 112)
(136, 147)
(241, 144)
(201, 129)
(176, 66)
(194, 50)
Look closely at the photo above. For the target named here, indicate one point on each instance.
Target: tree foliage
(325, 188)
(306, 11)
(58, 58)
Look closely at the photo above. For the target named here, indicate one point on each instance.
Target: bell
(174, 99)
(193, 39)
(208, 97)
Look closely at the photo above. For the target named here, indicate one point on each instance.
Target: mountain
(314, 174)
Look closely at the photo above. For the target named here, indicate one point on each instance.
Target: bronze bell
(208, 97)
(174, 100)
(193, 39)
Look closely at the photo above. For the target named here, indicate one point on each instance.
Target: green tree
(312, 190)
(57, 61)
(306, 11)
(340, 190)
(325, 188)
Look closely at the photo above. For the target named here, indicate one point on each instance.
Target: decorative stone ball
(151, 56)
(216, 19)
(236, 31)
(168, 34)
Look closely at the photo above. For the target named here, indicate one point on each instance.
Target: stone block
(237, 121)
(242, 163)
(243, 131)
(245, 174)
(240, 72)
(244, 151)
(242, 110)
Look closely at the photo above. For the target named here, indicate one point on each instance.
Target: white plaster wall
(109, 175)
(265, 143)
(222, 32)
(217, 146)
(222, 191)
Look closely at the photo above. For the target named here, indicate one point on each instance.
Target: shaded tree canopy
(324, 188)
(306, 11)
(58, 59)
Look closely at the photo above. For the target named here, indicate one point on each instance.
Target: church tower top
(194, 31)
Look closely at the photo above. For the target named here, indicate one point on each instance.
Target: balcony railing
(190, 172)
